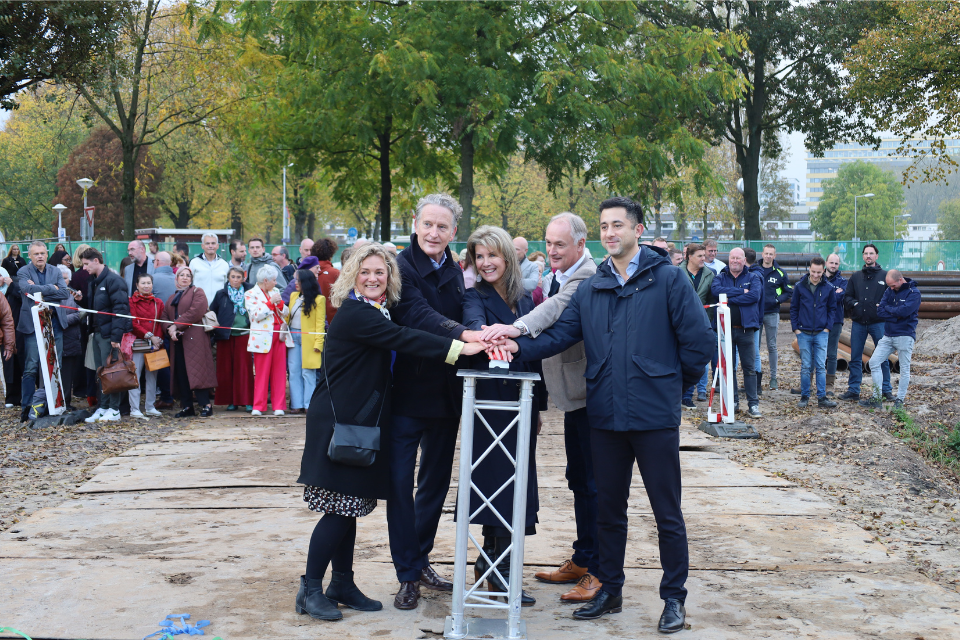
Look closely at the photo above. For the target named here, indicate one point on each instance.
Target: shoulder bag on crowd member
(209, 321)
(352, 445)
(285, 336)
(117, 375)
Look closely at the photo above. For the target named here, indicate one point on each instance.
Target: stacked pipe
(940, 289)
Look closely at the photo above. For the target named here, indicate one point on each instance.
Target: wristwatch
(522, 327)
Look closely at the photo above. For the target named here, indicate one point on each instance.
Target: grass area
(941, 449)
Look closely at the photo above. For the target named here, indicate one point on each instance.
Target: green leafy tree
(906, 75)
(34, 143)
(60, 41)
(949, 220)
(793, 51)
(876, 216)
(157, 81)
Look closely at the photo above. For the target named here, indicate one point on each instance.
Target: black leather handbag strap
(330, 391)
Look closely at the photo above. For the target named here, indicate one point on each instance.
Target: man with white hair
(426, 397)
(563, 373)
(140, 265)
(528, 269)
(209, 270)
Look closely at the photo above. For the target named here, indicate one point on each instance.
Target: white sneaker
(153, 412)
(255, 413)
(134, 413)
(278, 412)
(8, 406)
(96, 416)
(110, 415)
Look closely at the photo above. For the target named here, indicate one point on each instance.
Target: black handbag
(353, 445)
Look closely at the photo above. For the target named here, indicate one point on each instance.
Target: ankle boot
(493, 581)
(342, 590)
(310, 600)
(481, 565)
(831, 379)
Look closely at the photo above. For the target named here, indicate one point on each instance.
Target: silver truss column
(457, 625)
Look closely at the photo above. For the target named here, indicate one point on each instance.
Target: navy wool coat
(431, 300)
(645, 343)
(482, 305)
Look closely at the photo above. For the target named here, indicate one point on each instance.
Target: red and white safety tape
(181, 324)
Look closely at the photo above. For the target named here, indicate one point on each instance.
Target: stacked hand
(493, 340)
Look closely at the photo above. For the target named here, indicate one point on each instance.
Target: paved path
(210, 522)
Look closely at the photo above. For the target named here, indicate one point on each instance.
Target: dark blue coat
(900, 309)
(222, 305)
(838, 282)
(776, 287)
(813, 311)
(482, 305)
(757, 268)
(645, 343)
(431, 300)
(744, 291)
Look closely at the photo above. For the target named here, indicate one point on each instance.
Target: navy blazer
(430, 300)
(646, 342)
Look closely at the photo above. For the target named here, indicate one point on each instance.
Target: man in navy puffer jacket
(813, 310)
(899, 307)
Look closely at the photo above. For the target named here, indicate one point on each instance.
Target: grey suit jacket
(50, 284)
(563, 372)
(128, 274)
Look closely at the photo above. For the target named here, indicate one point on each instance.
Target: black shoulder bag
(353, 445)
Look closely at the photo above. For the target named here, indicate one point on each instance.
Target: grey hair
(37, 243)
(578, 228)
(140, 242)
(267, 272)
(209, 235)
(283, 251)
(444, 200)
(65, 272)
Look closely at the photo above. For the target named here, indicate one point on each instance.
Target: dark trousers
(412, 522)
(163, 377)
(833, 344)
(72, 376)
(580, 480)
(183, 384)
(745, 347)
(858, 339)
(657, 454)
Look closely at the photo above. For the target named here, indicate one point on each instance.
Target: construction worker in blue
(813, 308)
(776, 290)
(754, 267)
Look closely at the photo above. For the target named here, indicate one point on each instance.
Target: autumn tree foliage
(100, 158)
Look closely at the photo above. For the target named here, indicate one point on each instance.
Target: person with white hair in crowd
(265, 309)
(209, 270)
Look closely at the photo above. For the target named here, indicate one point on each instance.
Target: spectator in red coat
(146, 309)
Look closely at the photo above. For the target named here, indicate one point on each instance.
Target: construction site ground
(829, 526)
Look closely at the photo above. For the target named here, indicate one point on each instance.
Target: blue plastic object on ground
(170, 628)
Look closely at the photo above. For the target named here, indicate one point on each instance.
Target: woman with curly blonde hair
(354, 387)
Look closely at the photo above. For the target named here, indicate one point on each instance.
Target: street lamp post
(856, 238)
(86, 228)
(59, 209)
(286, 214)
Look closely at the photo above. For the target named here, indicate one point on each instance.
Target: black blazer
(356, 359)
(222, 305)
(431, 300)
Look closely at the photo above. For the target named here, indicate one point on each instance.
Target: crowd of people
(373, 349)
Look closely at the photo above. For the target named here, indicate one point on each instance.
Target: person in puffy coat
(234, 362)
(148, 309)
(899, 308)
(108, 292)
(863, 294)
(190, 352)
(813, 309)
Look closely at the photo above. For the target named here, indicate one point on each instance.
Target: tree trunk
(129, 195)
(183, 215)
(750, 167)
(299, 211)
(466, 184)
(386, 183)
(236, 221)
(311, 225)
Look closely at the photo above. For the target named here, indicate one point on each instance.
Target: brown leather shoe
(160, 404)
(584, 591)
(432, 580)
(408, 597)
(568, 573)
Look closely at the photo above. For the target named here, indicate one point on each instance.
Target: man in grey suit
(37, 277)
(566, 238)
(140, 265)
